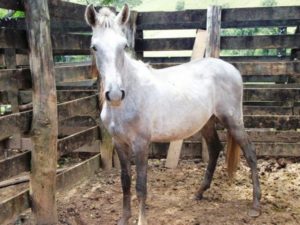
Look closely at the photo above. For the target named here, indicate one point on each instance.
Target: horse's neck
(135, 73)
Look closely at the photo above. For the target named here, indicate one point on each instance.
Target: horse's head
(108, 44)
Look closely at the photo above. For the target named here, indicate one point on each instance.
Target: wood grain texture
(45, 123)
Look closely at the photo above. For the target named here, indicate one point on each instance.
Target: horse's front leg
(124, 154)
(140, 149)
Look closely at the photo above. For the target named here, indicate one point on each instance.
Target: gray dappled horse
(142, 104)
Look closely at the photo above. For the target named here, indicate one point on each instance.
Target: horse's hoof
(254, 212)
(198, 197)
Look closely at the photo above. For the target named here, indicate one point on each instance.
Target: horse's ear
(123, 16)
(90, 15)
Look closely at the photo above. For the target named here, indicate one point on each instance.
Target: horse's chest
(118, 122)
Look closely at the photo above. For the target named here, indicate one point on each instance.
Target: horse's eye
(94, 48)
(126, 47)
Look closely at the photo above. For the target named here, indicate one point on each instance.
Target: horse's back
(195, 91)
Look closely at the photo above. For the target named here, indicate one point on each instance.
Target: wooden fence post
(213, 27)
(175, 146)
(44, 124)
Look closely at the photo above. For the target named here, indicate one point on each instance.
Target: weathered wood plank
(258, 135)
(227, 42)
(63, 96)
(191, 150)
(271, 94)
(272, 121)
(268, 68)
(62, 41)
(178, 60)
(13, 39)
(21, 122)
(87, 106)
(14, 165)
(73, 72)
(56, 24)
(239, 17)
(277, 68)
(11, 208)
(75, 141)
(78, 173)
(15, 123)
(18, 77)
(267, 110)
(44, 124)
(60, 9)
(10, 38)
(260, 42)
(21, 78)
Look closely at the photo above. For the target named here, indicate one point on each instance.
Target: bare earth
(170, 196)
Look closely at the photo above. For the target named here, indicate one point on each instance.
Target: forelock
(106, 18)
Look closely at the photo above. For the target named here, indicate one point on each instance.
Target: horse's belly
(179, 125)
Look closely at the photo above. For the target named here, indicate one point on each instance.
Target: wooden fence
(27, 90)
(272, 84)
(271, 96)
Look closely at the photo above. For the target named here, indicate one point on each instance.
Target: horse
(142, 105)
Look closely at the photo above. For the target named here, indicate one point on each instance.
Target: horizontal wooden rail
(17, 39)
(193, 150)
(273, 121)
(21, 122)
(259, 135)
(231, 18)
(14, 165)
(268, 110)
(291, 68)
(182, 59)
(188, 19)
(271, 94)
(86, 106)
(227, 42)
(62, 25)
(23, 76)
(14, 206)
(62, 95)
(70, 143)
(17, 164)
(59, 9)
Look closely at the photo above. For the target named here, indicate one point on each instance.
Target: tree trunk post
(44, 125)
(213, 27)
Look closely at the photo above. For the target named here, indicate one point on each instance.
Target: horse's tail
(232, 156)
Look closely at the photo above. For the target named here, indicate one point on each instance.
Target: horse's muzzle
(115, 96)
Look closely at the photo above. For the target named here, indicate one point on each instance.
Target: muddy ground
(170, 196)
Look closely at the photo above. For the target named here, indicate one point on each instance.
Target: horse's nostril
(107, 96)
(123, 94)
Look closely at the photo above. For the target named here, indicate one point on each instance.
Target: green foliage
(269, 3)
(16, 14)
(180, 5)
(116, 3)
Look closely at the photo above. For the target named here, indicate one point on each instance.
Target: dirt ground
(170, 196)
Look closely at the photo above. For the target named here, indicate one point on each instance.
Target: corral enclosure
(271, 93)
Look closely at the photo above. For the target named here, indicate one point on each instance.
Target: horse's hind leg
(214, 147)
(236, 129)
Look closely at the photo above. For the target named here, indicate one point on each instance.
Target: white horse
(142, 105)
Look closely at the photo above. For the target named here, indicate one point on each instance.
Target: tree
(116, 3)
(269, 3)
(180, 5)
